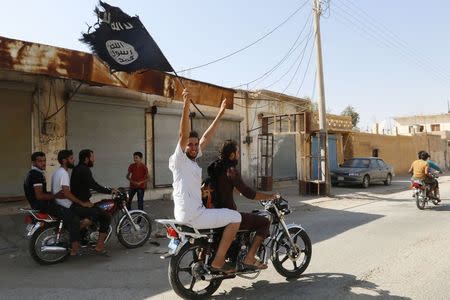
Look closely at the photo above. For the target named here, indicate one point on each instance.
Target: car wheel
(388, 180)
(366, 181)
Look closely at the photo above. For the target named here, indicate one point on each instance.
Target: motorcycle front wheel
(289, 262)
(128, 236)
(46, 237)
(182, 270)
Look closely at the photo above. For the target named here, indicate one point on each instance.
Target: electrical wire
(359, 24)
(292, 65)
(249, 45)
(306, 71)
(385, 31)
(279, 63)
(298, 66)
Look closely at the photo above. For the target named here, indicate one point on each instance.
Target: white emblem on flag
(123, 53)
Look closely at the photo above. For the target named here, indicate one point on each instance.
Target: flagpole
(181, 82)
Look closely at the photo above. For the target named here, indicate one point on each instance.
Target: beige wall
(398, 151)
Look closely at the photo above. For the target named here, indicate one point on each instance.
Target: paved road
(366, 244)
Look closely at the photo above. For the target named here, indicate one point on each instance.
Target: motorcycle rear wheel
(181, 264)
(46, 236)
(420, 201)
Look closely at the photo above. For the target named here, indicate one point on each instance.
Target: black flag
(123, 42)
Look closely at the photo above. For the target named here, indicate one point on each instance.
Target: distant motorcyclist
(421, 171)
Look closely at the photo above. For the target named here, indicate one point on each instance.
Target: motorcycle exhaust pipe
(53, 249)
(210, 277)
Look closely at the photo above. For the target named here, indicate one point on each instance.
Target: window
(421, 128)
(382, 164)
(435, 127)
(375, 153)
(411, 129)
(356, 163)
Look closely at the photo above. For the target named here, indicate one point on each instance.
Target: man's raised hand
(186, 96)
(223, 106)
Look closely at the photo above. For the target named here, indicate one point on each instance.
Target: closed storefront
(15, 134)
(114, 131)
(284, 157)
(166, 124)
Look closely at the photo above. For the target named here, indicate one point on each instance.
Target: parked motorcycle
(49, 240)
(191, 252)
(422, 191)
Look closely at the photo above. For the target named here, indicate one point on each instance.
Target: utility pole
(323, 135)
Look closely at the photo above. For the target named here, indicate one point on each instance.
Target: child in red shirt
(138, 177)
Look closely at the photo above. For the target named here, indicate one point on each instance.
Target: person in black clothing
(35, 188)
(225, 177)
(81, 183)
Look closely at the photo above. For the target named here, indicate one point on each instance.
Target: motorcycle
(49, 240)
(191, 252)
(422, 191)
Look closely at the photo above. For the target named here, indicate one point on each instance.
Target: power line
(386, 31)
(249, 45)
(386, 43)
(279, 63)
(306, 71)
(345, 15)
(298, 66)
(292, 65)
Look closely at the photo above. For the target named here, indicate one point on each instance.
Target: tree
(350, 111)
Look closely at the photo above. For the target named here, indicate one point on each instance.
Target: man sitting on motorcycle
(225, 177)
(420, 171)
(433, 167)
(187, 178)
(81, 184)
(35, 187)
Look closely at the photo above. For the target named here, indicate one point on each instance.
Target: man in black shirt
(81, 182)
(35, 187)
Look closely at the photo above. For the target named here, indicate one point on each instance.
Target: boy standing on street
(138, 177)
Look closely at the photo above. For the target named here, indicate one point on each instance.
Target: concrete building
(53, 98)
(428, 125)
(398, 151)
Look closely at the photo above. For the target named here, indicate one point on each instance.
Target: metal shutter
(15, 134)
(113, 132)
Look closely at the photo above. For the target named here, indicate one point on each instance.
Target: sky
(385, 58)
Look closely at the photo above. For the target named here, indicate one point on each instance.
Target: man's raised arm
(185, 124)
(209, 133)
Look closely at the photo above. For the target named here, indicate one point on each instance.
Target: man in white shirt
(187, 177)
(61, 184)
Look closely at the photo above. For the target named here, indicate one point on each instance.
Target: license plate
(340, 178)
(173, 244)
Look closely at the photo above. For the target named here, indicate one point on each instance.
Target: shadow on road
(324, 223)
(312, 286)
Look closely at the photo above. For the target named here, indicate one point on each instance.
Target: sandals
(225, 269)
(257, 265)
